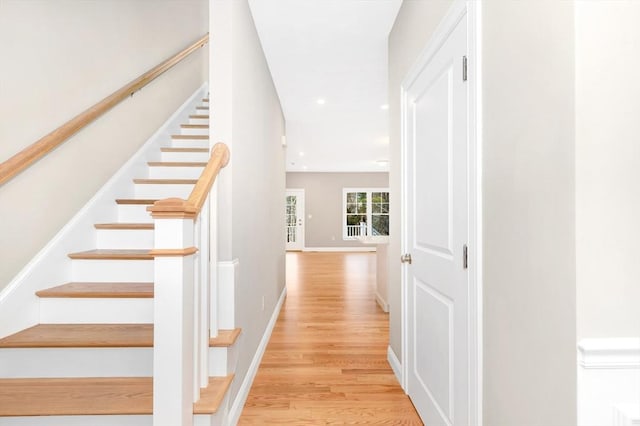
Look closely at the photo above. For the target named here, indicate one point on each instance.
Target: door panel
(435, 123)
(294, 219)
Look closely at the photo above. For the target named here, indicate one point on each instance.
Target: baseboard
(19, 307)
(338, 249)
(243, 392)
(382, 303)
(395, 364)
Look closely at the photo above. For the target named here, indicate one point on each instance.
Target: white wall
(607, 168)
(529, 213)
(60, 57)
(413, 27)
(248, 117)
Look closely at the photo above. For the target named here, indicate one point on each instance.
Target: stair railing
(47, 143)
(182, 307)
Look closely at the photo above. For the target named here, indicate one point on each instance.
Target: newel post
(173, 354)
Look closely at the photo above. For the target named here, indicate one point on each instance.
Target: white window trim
(369, 213)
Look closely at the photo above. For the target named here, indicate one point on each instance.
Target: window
(366, 212)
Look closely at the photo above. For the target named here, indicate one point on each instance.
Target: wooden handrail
(44, 145)
(190, 208)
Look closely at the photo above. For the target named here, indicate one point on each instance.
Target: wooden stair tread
(191, 137)
(194, 126)
(205, 99)
(211, 397)
(113, 254)
(99, 290)
(94, 336)
(165, 181)
(94, 396)
(225, 338)
(125, 201)
(199, 116)
(171, 149)
(202, 107)
(176, 164)
(81, 336)
(124, 226)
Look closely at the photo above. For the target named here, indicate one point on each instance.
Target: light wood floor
(326, 362)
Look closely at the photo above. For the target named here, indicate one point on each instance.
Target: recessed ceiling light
(321, 101)
(301, 154)
(304, 167)
(382, 163)
(384, 106)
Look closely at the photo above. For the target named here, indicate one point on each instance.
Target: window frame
(369, 213)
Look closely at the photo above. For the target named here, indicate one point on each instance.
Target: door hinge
(464, 68)
(465, 257)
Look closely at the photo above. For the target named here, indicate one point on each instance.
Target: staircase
(89, 360)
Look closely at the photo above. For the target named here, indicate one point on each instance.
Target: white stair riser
(76, 362)
(68, 310)
(184, 156)
(125, 420)
(192, 131)
(202, 110)
(175, 172)
(134, 213)
(94, 362)
(124, 238)
(90, 270)
(190, 143)
(161, 190)
(199, 120)
(223, 360)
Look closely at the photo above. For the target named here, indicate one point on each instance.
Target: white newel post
(174, 328)
(182, 310)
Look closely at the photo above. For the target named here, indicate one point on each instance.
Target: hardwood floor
(326, 362)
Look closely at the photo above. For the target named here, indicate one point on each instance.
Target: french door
(294, 219)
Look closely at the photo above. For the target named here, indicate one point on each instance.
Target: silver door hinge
(464, 68)
(465, 257)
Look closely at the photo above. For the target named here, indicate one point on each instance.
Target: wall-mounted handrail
(190, 208)
(44, 145)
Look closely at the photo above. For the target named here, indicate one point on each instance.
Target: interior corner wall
(323, 202)
(414, 25)
(607, 168)
(253, 185)
(59, 57)
(528, 190)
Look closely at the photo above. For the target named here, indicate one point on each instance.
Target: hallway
(326, 360)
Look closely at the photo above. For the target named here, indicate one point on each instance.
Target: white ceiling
(334, 50)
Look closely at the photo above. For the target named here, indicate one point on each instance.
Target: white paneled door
(294, 219)
(435, 141)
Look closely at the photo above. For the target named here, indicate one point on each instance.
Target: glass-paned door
(294, 219)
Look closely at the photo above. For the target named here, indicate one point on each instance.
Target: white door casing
(294, 219)
(441, 346)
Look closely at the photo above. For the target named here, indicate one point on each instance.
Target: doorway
(294, 219)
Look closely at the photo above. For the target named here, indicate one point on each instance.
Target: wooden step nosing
(132, 201)
(125, 226)
(225, 338)
(99, 291)
(191, 137)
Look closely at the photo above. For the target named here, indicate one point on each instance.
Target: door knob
(406, 258)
